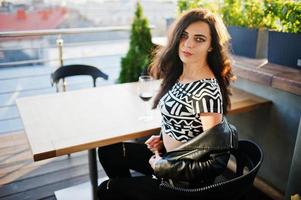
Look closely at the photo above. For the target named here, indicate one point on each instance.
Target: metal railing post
(60, 44)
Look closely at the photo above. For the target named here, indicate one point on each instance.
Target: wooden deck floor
(21, 178)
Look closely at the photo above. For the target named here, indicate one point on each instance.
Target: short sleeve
(207, 99)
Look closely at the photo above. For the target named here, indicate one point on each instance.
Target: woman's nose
(188, 43)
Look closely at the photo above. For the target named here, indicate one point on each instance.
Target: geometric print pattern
(182, 104)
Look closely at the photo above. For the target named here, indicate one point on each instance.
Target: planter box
(243, 41)
(284, 48)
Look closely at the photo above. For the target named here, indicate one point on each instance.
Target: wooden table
(64, 123)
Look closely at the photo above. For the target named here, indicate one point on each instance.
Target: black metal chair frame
(76, 70)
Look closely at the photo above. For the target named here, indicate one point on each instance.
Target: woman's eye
(199, 39)
(184, 35)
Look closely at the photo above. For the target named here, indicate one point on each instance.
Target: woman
(195, 140)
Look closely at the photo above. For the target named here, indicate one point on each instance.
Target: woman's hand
(152, 161)
(154, 143)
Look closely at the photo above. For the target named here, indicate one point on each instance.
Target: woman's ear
(210, 49)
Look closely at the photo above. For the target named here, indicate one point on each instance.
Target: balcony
(38, 54)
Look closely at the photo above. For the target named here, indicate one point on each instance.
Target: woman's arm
(209, 120)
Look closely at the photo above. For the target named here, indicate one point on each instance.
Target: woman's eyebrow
(200, 35)
(197, 35)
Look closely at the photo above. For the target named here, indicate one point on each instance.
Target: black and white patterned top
(182, 104)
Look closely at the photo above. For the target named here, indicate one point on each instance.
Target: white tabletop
(64, 123)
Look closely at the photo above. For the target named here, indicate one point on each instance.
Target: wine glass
(145, 91)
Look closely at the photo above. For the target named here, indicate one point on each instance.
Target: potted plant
(284, 44)
(138, 56)
(244, 20)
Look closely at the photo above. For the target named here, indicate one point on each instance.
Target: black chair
(75, 70)
(248, 157)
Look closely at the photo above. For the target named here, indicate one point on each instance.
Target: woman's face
(195, 43)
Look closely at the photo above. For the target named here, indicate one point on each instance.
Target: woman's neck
(192, 72)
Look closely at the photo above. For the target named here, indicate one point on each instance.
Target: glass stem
(147, 113)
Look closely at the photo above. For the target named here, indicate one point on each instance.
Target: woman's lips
(186, 53)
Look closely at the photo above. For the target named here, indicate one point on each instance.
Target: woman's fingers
(148, 140)
(158, 145)
(152, 141)
(155, 145)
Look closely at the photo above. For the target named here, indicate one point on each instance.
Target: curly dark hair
(167, 65)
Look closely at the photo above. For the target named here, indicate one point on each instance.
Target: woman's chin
(184, 59)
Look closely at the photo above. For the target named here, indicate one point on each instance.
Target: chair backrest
(249, 157)
(75, 70)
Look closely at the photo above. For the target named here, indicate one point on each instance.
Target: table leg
(93, 172)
